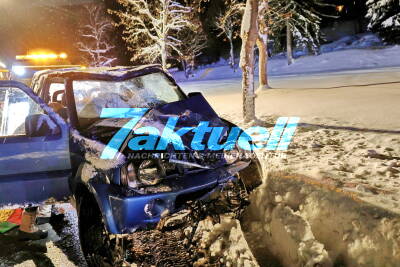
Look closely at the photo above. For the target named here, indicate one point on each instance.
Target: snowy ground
(348, 140)
(349, 53)
(346, 116)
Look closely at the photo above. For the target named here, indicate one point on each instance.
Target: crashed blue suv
(76, 136)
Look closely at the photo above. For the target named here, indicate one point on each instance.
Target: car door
(34, 162)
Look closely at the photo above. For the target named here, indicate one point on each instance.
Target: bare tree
(95, 38)
(249, 34)
(150, 28)
(228, 23)
(193, 42)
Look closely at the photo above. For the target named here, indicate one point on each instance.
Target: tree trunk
(249, 32)
(163, 55)
(262, 44)
(184, 67)
(262, 63)
(289, 43)
(164, 40)
(231, 54)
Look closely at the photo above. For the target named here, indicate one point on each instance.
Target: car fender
(83, 186)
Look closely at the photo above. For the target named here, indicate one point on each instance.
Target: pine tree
(384, 18)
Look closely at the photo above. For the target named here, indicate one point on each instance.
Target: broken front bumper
(124, 213)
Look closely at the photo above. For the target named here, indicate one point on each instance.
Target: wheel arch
(95, 195)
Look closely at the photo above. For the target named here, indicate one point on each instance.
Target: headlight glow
(19, 70)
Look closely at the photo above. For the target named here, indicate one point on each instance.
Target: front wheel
(99, 248)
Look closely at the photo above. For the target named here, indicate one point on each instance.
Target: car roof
(100, 73)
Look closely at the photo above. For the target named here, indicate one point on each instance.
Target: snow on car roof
(112, 73)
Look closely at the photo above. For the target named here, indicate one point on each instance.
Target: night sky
(38, 24)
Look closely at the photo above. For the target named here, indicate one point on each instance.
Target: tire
(97, 246)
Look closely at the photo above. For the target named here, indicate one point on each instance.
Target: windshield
(146, 91)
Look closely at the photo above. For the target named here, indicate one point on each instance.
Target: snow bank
(304, 222)
(333, 198)
(29, 263)
(353, 42)
(344, 55)
(224, 243)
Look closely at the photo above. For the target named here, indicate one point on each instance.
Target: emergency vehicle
(26, 66)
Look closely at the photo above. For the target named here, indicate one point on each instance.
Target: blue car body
(34, 169)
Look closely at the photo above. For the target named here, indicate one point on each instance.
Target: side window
(15, 107)
(56, 92)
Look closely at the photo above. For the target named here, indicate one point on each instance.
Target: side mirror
(40, 125)
(192, 94)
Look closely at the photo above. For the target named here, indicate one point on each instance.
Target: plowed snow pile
(223, 243)
(332, 198)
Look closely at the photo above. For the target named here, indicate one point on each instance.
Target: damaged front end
(216, 191)
(162, 189)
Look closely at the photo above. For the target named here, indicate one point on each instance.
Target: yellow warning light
(340, 8)
(63, 56)
(41, 56)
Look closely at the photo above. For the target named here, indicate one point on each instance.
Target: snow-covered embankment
(304, 222)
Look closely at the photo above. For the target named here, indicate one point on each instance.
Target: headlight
(128, 176)
(19, 70)
(150, 172)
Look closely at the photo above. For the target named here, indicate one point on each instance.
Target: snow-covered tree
(384, 18)
(151, 27)
(228, 23)
(249, 35)
(193, 42)
(300, 20)
(94, 38)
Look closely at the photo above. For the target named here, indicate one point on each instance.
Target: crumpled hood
(190, 113)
